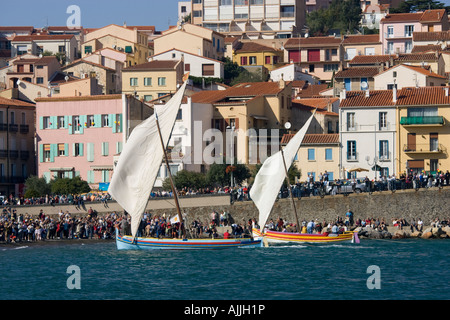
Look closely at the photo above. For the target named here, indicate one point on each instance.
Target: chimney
(282, 83)
(367, 93)
(394, 94)
(446, 91)
(343, 95)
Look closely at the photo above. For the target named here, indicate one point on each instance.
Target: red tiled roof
(371, 59)
(427, 56)
(434, 15)
(357, 72)
(360, 39)
(313, 138)
(402, 17)
(248, 89)
(36, 37)
(425, 48)
(423, 96)
(294, 43)
(253, 47)
(154, 65)
(431, 36)
(359, 99)
(312, 103)
(312, 90)
(15, 103)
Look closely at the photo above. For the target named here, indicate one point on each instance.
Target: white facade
(187, 140)
(198, 66)
(368, 138)
(37, 45)
(292, 72)
(407, 76)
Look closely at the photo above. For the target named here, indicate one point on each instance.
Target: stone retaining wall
(426, 204)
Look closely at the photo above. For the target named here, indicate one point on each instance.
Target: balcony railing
(24, 155)
(435, 120)
(13, 154)
(424, 148)
(352, 157)
(3, 127)
(24, 128)
(13, 127)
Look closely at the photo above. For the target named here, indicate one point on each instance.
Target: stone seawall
(426, 204)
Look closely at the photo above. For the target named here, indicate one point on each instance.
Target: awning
(62, 169)
(101, 168)
(259, 117)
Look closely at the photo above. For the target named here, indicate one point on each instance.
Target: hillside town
(70, 97)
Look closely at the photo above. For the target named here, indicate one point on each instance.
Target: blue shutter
(81, 147)
(120, 124)
(41, 123)
(41, 153)
(66, 122)
(97, 120)
(66, 149)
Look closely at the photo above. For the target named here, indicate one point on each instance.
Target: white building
(292, 72)
(367, 133)
(37, 44)
(186, 143)
(403, 75)
(252, 19)
(198, 66)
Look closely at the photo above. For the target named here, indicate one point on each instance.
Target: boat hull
(127, 243)
(284, 237)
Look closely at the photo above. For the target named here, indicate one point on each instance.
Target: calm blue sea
(404, 270)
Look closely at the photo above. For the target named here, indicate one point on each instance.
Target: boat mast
(174, 190)
(289, 188)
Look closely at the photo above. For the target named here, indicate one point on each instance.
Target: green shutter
(105, 148)
(114, 123)
(90, 176)
(66, 122)
(54, 121)
(70, 124)
(90, 152)
(120, 125)
(81, 149)
(111, 120)
(70, 174)
(41, 123)
(77, 173)
(97, 120)
(118, 147)
(73, 149)
(83, 120)
(53, 152)
(41, 153)
(66, 149)
(47, 176)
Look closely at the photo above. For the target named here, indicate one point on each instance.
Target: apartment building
(251, 19)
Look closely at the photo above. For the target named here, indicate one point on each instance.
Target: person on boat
(335, 229)
(310, 227)
(226, 234)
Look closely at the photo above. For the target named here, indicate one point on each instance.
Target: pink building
(396, 30)
(83, 136)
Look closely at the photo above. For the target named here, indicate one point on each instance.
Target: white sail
(140, 160)
(271, 175)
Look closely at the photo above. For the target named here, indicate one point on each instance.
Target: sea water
(371, 270)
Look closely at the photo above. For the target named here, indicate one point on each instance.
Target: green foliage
(36, 187)
(69, 186)
(417, 5)
(219, 175)
(231, 70)
(343, 15)
(247, 76)
(188, 179)
(199, 80)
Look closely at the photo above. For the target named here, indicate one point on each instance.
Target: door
(314, 55)
(411, 142)
(294, 56)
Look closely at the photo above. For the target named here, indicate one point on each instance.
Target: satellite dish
(364, 85)
(66, 78)
(18, 82)
(287, 125)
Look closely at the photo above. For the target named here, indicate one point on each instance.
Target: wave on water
(15, 248)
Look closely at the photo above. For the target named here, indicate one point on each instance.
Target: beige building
(249, 106)
(326, 119)
(193, 39)
(404, 75)
(153, 79)
(17, 128)
(319, 153)
(132, 42)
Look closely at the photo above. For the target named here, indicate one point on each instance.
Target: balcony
(13, 127)
(424, 148)
(14, 154)
(3, 127)
(3, 153)
(24, 128)
(352, 157)
(422, 121)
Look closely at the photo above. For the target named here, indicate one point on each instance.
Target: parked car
(346, 186)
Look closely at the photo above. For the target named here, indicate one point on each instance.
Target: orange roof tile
(431, 36)
(423, 96)
(371, 59)
(360, 39)
(313, 138)
(36, 37)
(14, 103)
(154, 65)
(312, 90)
(376, 98)
(253, 47)
(402, 17)
(421, 56)
(357, 72)
(294, 43)
(434, 15)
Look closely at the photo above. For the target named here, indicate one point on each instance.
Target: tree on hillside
(220, 174)
(343, 15)
(418, 5)
(187, 179)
